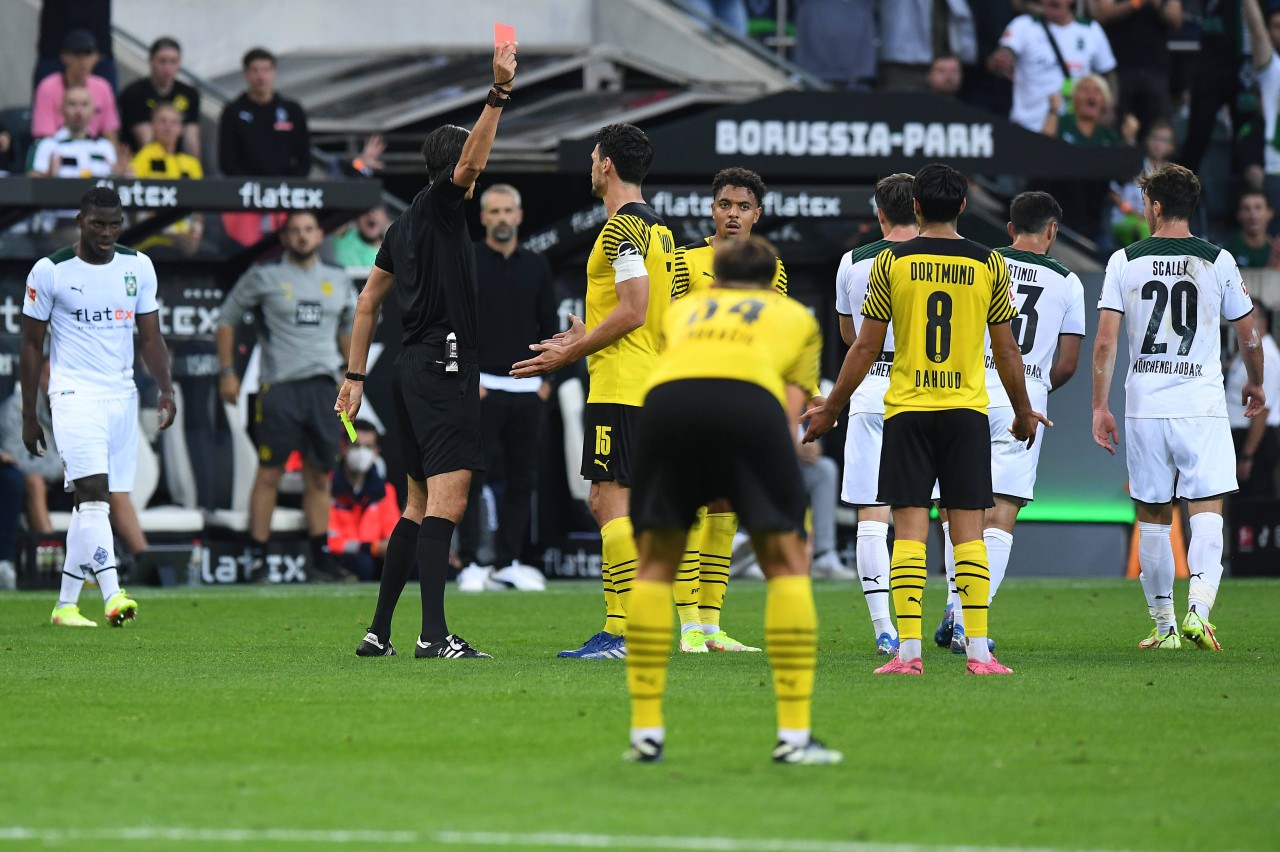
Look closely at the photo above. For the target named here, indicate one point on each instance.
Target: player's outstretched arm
(1008, 358)
(156, 356)
(857, 361)
(475, 151)
(1105, 434)
(30, 365)
(633, 307)
(1252, 397)
(368, 304)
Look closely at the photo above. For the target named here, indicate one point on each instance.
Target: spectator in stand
(11, 491)
(79, 55)
(359, 242)
(73, 151)
(59, 17)
(364, 509)
(517, 304)
(731, 13)
(1139, 32)
(1255, 438)
(1128, 222)
(1082, 200)
(914, 32)
(6, 152)
(160, 158)
(1044, 55)
(946, 77)
(260, 133)
(836, 41)
(1266, 62)
(140, 98)
(1252, 246)
(982, 88)
(1223, 76)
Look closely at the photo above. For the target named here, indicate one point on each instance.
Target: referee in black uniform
(517, 308)
(428, 260)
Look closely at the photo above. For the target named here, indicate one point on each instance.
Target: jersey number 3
(1186, 315)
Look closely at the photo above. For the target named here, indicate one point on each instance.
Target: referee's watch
(354, 377)
(496, 99)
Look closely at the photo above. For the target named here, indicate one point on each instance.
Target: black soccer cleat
(371, 647)
(644, 751)
(813, 753)
(450, 648)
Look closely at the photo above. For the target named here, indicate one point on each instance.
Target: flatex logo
(139, 194)
(255, 196)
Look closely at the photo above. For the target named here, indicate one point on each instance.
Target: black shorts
(951, 447)
(437, 414)
(700, 440)
(608, 433)
(299, 416)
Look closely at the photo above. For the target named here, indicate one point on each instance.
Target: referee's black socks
(433, 573)
(397, 565)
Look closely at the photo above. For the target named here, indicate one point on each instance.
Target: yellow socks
(686, 586)
(716, 550)
(906, 581)
(973, 582)
(618, 556)
(648, 649)
(791, 638)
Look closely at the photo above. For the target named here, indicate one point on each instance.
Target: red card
(503, 33)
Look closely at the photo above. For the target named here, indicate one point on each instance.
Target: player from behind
(939, 291)
(1172, 290)
(703, 578)
(628, 289)
(895, 211)
(731, 353)
(1050, 301)
(89, 298)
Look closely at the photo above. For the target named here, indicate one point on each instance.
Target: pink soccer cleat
(897, 666)
(990, 668)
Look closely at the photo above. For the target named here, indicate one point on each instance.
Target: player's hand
(1105, 433)
(544, 392)
(550, 357)
(350, 395)
(504, 64)
(1025, 425)
(821, 421)
(166, 410)
(229, 389)
(576, 331)
(1253, 399)
(483, 392)
(371, 155)
(33, 437)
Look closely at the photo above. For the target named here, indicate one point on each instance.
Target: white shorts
(97, 436)
(1013, 466)
(862, 459)
(1194, 452)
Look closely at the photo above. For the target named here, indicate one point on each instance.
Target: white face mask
(360, 459)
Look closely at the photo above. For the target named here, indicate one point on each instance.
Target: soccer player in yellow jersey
(737, 199)
(628, 290)
(940, 292)
(730, 355)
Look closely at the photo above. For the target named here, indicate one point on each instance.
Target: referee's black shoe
(371, 647)
(450, 647)
(258, 574)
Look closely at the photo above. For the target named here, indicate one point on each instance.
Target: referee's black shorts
(950, 446)
(700, 440)
(299, 416)
(437, 413)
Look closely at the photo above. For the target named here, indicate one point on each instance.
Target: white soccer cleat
(474, 578)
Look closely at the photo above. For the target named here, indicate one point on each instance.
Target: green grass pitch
(241, 719)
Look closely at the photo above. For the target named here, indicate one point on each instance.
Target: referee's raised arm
(475, 153)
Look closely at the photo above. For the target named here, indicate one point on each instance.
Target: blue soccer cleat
(886, 645)
(592, 648)
(942, 636)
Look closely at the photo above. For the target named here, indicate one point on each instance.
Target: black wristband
(354, 377)
(496, 100)
(507, 83)
(497, 87)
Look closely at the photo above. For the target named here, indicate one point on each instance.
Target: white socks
(798, 737)
(908, 650)
(1155, 557)
(873, 571)
(72, 573)
(1204, 562)
(999, 543)
(96, 547)
(949, 558)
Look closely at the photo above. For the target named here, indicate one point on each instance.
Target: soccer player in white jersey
(1172, 290)
(895, 212)
(1050, 300)
(89, 298)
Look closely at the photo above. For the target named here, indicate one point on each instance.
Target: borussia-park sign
(842, 136)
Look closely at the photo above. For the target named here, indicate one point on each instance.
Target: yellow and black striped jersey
(694, 271)
(619, 371)
(940, 294)
(752, 335)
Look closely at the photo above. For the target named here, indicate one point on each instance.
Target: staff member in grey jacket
(306, 307)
